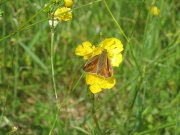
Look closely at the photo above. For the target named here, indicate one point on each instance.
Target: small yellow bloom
(68, 3)
(63, 14)
(114, 48)
(155, 11)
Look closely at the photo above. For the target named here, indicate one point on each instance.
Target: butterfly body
(100, 65)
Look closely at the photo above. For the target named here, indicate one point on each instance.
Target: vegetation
(146, 97)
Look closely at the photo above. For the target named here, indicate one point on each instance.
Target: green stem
(115, 21)
(54, 124)
(88, 4)
(122, 32)
(94, 114)
(77, 82)
(53, 78)
(130, 48)
(52, 62)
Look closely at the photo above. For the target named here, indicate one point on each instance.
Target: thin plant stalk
(131, 51)
(94, 114)
(123, 33)
(52, 62)
(53, 78)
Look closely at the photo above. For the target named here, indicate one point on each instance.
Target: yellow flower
(68, 3)
(63, 14)
(114, 48)
(155, 11)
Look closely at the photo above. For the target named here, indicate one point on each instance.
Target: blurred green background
(146, 97)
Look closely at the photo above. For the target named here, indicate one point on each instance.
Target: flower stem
(94, 114)
(53, 78)
(52, 63)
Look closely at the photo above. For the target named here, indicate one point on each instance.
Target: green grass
(146, 98)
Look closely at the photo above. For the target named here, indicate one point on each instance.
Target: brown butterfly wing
(110, 68)
(91, 65)
(106, 69)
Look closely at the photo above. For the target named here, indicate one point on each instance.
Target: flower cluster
(62, 13)
(87, 50)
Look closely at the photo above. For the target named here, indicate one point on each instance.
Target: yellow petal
(116, 60)
(85, 49)
(111, 44)
(92, 78)
(97, 82)
(97, 51)
(108, 83)
(63, 14)
(95, 88)
(117, 50)
(68, 3)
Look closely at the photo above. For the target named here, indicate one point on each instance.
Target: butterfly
(100, 65)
